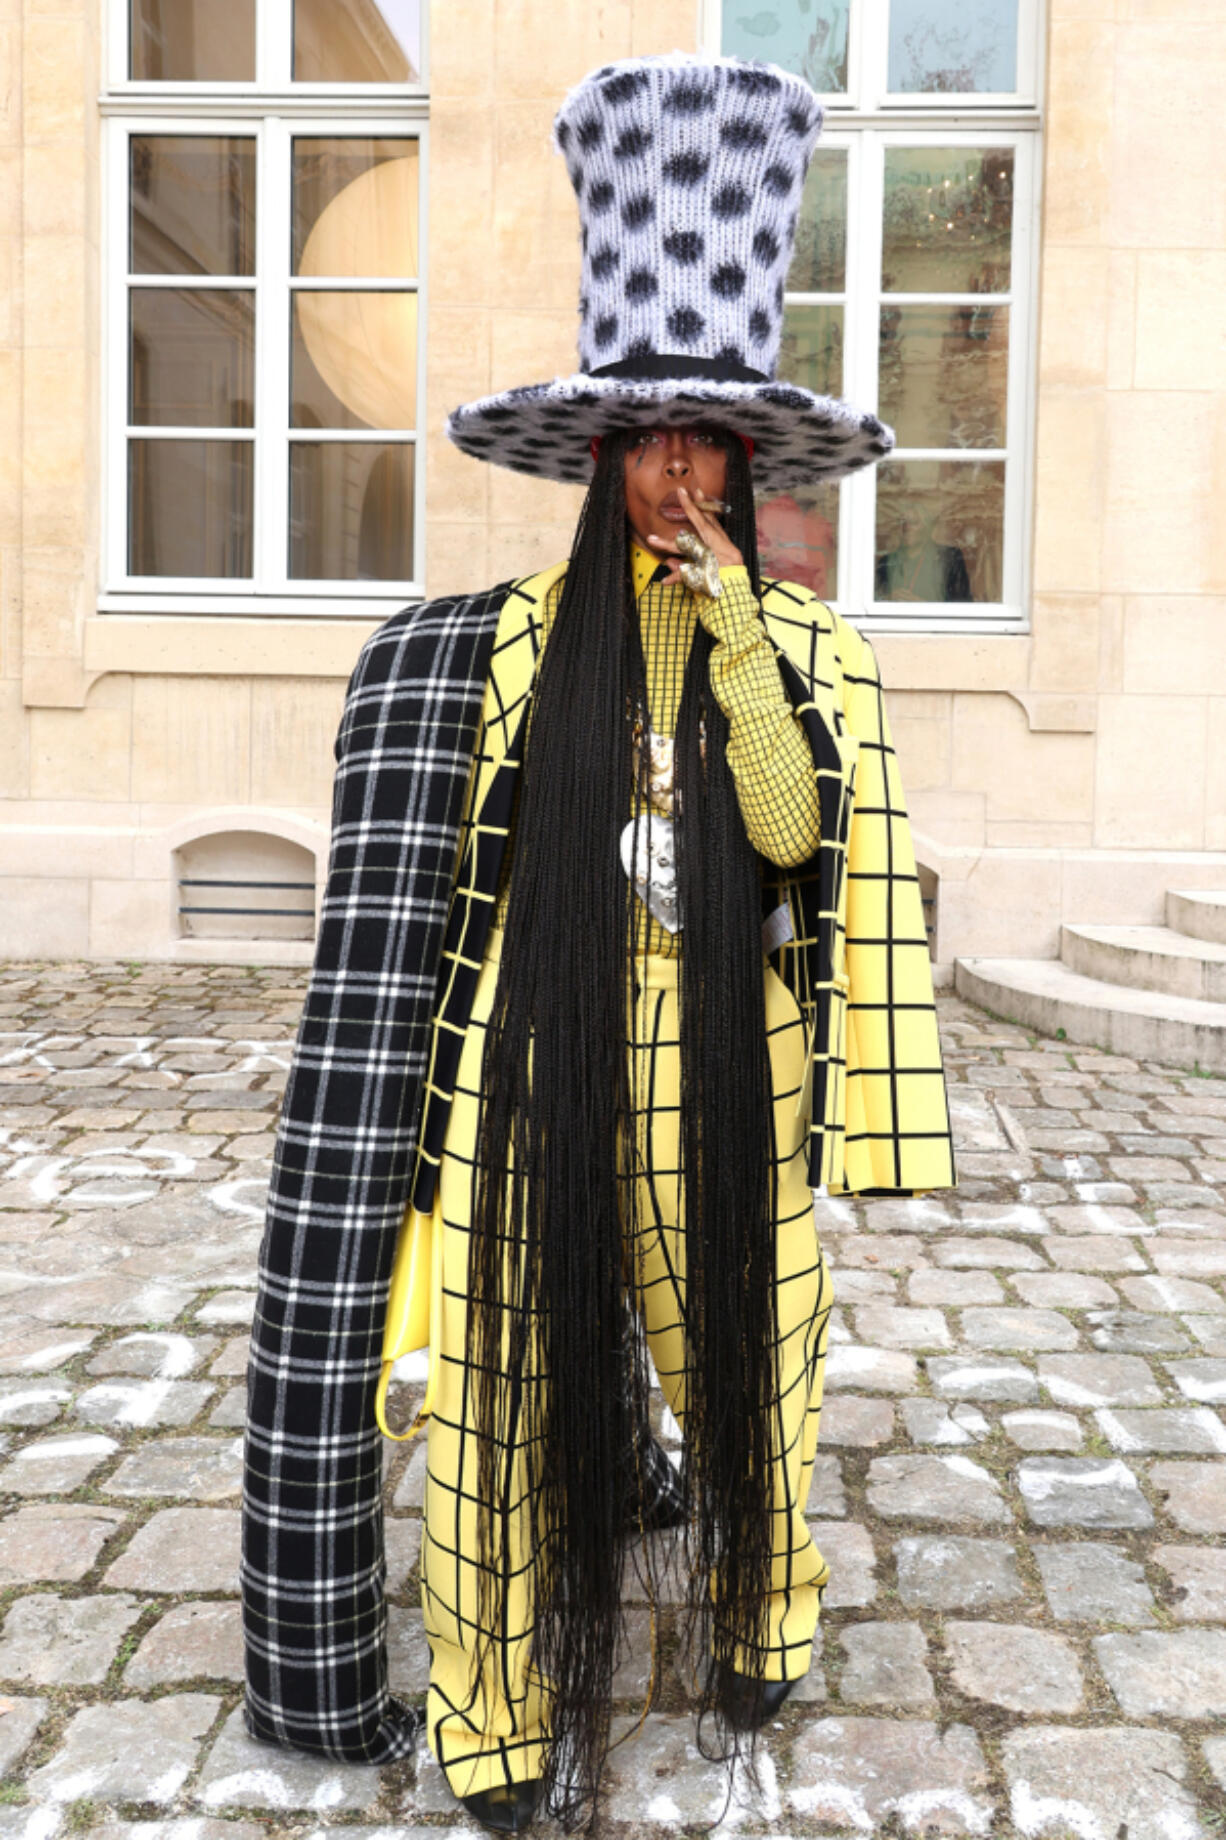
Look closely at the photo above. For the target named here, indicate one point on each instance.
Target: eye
(699, 439)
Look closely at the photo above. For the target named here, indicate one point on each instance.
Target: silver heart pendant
(649, 857)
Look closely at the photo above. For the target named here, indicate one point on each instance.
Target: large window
(912, 293)
(265, 191)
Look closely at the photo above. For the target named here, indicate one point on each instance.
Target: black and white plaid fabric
(312, 1568)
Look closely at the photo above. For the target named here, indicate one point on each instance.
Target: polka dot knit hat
(689, 172)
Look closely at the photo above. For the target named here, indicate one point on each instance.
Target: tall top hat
(689, 172)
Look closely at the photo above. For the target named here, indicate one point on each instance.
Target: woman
(622, 953)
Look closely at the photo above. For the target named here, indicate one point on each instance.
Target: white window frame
(272, 111)
(865, 121)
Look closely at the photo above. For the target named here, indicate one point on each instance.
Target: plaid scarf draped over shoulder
(312, 1568)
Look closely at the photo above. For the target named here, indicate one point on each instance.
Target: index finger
(694, 510)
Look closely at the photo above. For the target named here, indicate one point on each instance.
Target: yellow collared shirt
(768, 753)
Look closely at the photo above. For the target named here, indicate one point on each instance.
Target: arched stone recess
(242, 878)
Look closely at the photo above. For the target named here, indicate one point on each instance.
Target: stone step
(1147, 958)
(1045, 995)
(1198, 912)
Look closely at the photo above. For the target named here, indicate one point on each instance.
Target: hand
(707, 529)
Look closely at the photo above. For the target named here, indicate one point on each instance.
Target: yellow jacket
(857, 959)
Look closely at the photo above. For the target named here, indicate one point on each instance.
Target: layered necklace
(648, 840)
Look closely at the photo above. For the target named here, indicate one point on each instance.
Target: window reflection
(811, 348)
(351, 511)
(359, 42)
(944, 373)
(948, 220)
(940, 530)
(953, 45)
(192, 41)
(354, 206)
(189, 508)
(819, 255)
(798, 538)
(192, 204)
(353, 360)
(809, 39)
(193, 357)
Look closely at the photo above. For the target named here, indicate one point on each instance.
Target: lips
(672, 509)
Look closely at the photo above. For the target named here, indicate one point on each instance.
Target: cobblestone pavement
(1021, 1485)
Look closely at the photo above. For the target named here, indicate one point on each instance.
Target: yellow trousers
(494, 1729)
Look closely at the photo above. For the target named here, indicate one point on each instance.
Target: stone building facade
(166, 742)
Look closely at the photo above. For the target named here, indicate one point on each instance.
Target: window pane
(809, 38)
(350, 511)
(189, 508)
(940, 530)
(193, 357)
(819, 259)
(948, 220)
(798, 538)
(193, 204)
(811, 348)
(364, 43)
(193, 41)
(953, 45)
(354, 207)
(353, 360)
(944, 375)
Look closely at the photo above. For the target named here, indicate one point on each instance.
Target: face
(657, 462)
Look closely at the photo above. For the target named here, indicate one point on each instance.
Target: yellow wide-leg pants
(494, 1730)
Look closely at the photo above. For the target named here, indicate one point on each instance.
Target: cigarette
(713, 504)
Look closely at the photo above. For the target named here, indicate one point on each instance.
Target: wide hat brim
(544, 429)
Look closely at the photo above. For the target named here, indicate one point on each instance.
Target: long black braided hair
(549, 1267)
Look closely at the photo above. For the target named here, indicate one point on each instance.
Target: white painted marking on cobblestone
(1032, 1813)
(832, 1796)
(57, 1353)
(42, 1823)
(1042, 1421)
(71, 1788)
(178, 1355)
(264, 1056)
(916, 1808)
(962, 1466)
(139, 1399)
(56, 1179)
(1098, 1220)
(140, 1055)
(833, 1212)
(53, 1448)
(246, 1787)
(1037, 1484)
(225, 1197)
(1071, 1392)
(923, 1212)
(33, 1048)
(1210, 1391)
(1167, 1289)
(971, 1375)
(744, 1802)
(33, 1396)
(1116, 1434)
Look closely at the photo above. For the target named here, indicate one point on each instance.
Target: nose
(676, 453)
